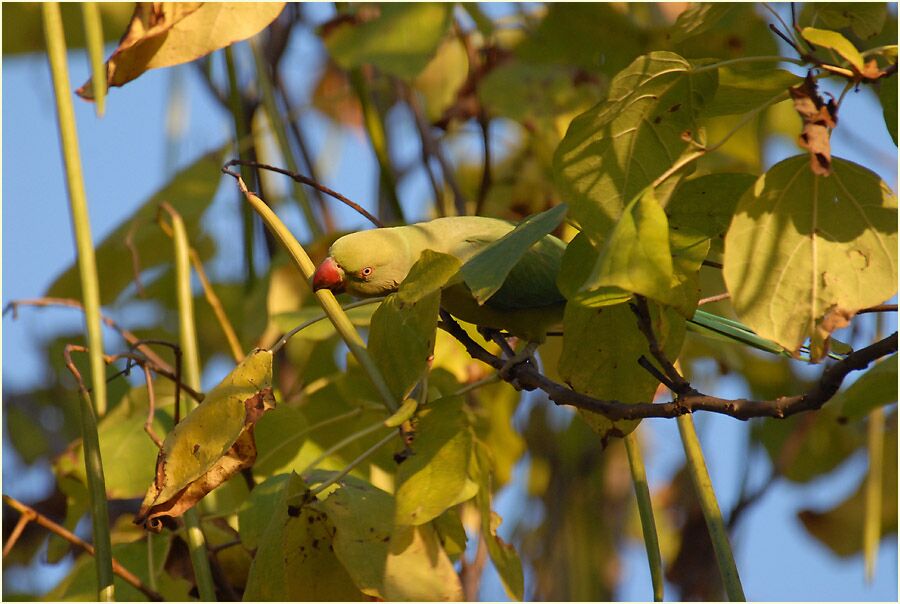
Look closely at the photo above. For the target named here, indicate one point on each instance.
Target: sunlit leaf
(166, 34)
(439, 474)
(384, 561)
(613, 151)
(742, 90)
(804, 253)
(699, 18)
(832, 40)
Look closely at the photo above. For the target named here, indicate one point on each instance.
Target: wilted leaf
(600, 357)
(440, 473)
(841, 528)
(399, 39)
(486, 273)
(613, 151)
(190, 192)
(401, 339)
(804, 250)
(170, 33)
(818, 120)
(295, 560)
(875, 388)
(834, 41)
(384, 561)
(212, 443)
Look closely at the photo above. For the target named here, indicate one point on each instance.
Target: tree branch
(529, 378)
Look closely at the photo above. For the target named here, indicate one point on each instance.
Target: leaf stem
(340, 445)
(746, 60)
(329, 303)
(645, 508)
(284, 339)
(93, 35)
(718, 534)
(187, 333)
(365, 454)
(87, 263)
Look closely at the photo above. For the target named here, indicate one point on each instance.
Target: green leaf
(706, 204)
(77, 505)
(887, 94)
(741, 91)
(451, 533)
(805, 252)
(294, 560)
(439, 474)
(401, 339)
(190, 192)
(635, 257)
(689, 250)
(431, 272)
(384, 561)
(841, 528)
(577, 265)
(23, 27)
(400, 39)
(279, 435)
(487, 271)
(866, 19)
(600, 357)
(592, 36)
(128, 452)
(260, 508)
(613, 151)
(804, 447)
(697, 19)
(875, 388)
(442, 78)
(503, 555)
(832, 40)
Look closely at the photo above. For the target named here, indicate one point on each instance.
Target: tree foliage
(330, 466)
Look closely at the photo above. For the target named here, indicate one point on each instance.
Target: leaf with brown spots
(212, 444)
(819, 118)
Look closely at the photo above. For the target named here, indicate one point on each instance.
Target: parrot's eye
(366, 271)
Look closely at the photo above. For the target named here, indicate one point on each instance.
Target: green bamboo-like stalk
(645, 508)
(278, 128)
(329, 303)
(87, 264)
(872, 527)
(375, 128)
(241, 133)
(187, 334)
(718, 534)
(93, 35)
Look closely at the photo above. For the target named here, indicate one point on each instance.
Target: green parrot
(375, 262)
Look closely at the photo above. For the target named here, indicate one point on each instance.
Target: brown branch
(711, 299)
(878, 308)
(678, 385)
(529, 378)
(151, 409)
(306, 181)
(128, 336)
(17, 531)
(485, 122)
(118, 569)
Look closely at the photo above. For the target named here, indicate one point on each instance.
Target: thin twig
(128, 336)
(55, 528)
(306, 181)
(151, 409)
(24, 519)
(879, 308)
(679, 385)
(530, 379)
(485, 123)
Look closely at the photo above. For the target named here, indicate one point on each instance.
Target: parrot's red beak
(329, 276)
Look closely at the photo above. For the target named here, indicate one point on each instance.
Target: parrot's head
(365, 264)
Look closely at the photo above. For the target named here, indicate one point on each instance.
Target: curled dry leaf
(819, 118)
(162, 34)
(212, 444)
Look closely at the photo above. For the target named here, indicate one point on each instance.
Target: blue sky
(125, 161)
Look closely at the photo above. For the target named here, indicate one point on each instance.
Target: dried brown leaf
(819, 118)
